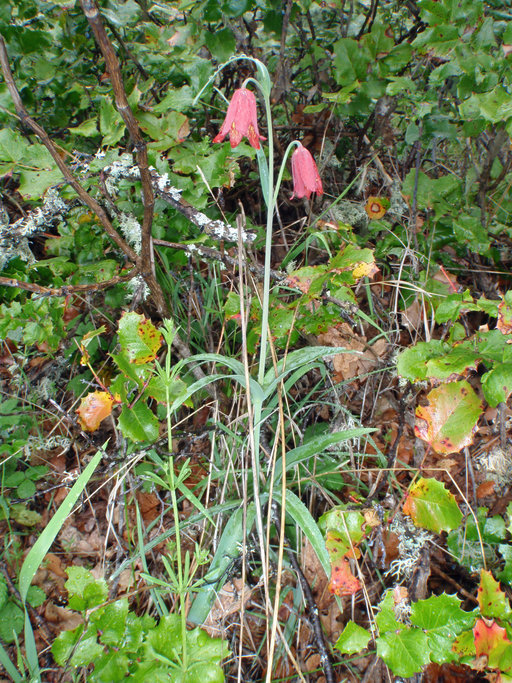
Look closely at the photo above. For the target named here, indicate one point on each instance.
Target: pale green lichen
(411, 539)
(132, 232)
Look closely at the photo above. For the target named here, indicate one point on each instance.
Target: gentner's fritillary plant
(263, 392)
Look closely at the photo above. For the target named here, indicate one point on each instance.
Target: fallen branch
(65, 290)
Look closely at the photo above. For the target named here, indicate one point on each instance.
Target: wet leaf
(450, 419)
(405, 651)
(343, 582)
(138, 423)
(497, 384)
(442, 618)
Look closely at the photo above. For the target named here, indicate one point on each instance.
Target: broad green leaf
(448, 422)
(455, 362)
(112, 666)
(139, 338)
(221, 44)
(71, 647)
(177, 99)
(406, 652)
(497, 384)
(412, 362)
(111, 124)
(386, 619)
(111, 621)
(84, 590)
(432, 507)
(353, 639)
(166, 639)
(161, 390)
(87, 129)
(33, 184)
(442, 618)
(11, 622)
(139, 423)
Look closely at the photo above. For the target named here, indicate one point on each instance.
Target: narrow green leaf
(38, 551)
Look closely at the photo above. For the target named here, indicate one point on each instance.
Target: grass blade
(42, 545)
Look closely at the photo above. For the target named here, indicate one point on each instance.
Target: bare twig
(148, 198)
(172, 195)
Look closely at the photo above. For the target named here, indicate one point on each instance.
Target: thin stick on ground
(321, 643)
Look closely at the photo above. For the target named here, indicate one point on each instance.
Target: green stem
(268, 245)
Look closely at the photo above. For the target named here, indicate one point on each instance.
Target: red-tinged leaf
(139, 338)
(488, 636)
(432, 507)
(490, 640)
(343, 582)
(504, 323)
(344, 530)
(94, 408)
(307, 277)
(450, 419)
(492, 600)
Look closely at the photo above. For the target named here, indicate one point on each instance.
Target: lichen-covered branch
(65, 290)
(215, 228)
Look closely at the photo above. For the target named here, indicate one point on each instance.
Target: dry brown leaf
(74, 541)
(229, 600)
(315, 576)
(350, 365)
(485, 489)
(64, 619)
(412, 316)
(149, 505)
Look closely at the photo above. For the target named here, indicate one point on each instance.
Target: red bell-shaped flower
(306, 178)
(241, 120)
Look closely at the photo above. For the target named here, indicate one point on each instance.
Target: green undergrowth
(398, 267)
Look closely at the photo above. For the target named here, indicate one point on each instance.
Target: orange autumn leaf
(343, 582)
(94, 408)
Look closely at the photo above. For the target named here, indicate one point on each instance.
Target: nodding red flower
(241, 120)
(306, 178)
